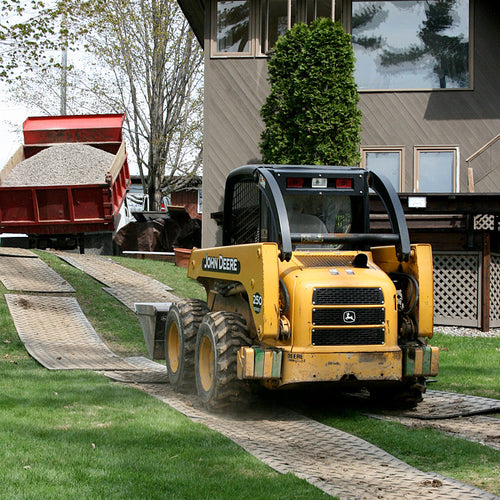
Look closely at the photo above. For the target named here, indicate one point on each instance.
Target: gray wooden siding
(236, 88)
(464, 118)
(234, 92)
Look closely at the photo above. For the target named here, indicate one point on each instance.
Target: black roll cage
(269, 187)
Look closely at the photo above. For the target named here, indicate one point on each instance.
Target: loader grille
(324, 260)
(347, 296)
(366, 316)
(348, 336)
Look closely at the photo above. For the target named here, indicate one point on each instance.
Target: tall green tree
(311, 114)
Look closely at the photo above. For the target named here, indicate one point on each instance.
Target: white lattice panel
(457, 288)
(495, 290)
(484, 222)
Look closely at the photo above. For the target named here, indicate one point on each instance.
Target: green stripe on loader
(259, 363)
(426, 362)
(277, 357)
(408, 362)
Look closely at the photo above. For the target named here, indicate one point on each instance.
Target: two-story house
(427, 72)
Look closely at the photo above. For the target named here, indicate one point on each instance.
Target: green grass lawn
(468, 365)
(76, 434)
(79, 435)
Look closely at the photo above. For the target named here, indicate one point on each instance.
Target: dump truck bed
(69, 207)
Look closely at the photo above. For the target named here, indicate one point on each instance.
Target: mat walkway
(56, 332)
(54, 329)
(338, 463)
(23, 270)
(125, 285)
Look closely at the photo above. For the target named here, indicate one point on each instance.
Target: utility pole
(64, 65)
(64, 78)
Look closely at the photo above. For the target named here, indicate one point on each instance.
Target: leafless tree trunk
(162, 66)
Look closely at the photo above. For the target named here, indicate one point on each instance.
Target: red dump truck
(65, 185)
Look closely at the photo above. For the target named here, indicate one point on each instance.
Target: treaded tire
(403, 395)
(181, 327)
(220, 336)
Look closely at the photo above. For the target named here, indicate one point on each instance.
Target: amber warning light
(344, 183)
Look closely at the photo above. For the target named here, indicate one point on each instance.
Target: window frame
(347, 22)
(213, 33)
(386, 149)
(262, 50)
(255, 46)
(439, 149)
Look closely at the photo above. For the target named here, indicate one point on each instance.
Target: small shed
(187, 194)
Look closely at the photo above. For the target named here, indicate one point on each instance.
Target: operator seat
(305, 223)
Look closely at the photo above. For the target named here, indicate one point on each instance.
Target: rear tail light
(294, 182)
(343, 183)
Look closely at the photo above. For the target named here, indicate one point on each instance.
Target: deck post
(485, 282)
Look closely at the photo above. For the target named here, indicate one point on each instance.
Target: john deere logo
(221, 264)
(349, 317)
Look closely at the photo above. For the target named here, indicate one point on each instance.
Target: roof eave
(194, 10)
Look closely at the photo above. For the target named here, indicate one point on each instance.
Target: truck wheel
(183, 321)
(220, 336)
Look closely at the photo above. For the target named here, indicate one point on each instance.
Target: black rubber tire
(181, 327)
(402, 395)
(220, 336)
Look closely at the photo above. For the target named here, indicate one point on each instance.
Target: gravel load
(62, 164)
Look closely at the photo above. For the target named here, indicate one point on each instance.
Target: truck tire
(181, 327)
(220, 336)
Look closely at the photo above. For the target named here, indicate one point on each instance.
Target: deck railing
(486, 148)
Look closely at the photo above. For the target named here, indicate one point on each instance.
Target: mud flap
(420, 361)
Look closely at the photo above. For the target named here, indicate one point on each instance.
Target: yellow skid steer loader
(301, 292)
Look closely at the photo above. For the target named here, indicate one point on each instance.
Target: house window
(318, 8)
(252, 27)
(436, 170)
(419, 44)
(385, 161)
(276, 18)
(232, 26)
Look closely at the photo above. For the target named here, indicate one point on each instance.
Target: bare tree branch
(144, 61)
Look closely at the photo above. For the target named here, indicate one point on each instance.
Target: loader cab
(323, 201)
(308, 207)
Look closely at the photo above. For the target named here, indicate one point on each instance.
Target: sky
(12, 117)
